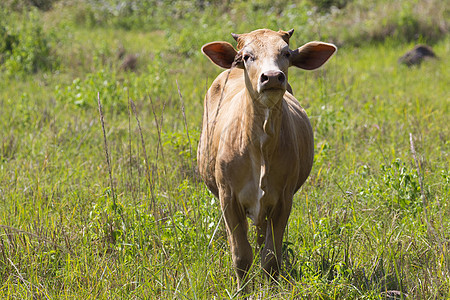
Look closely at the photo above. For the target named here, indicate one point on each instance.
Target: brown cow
(256, 148)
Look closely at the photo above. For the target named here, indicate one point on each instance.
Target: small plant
(402, 183)
(397, 186)
(83, 93)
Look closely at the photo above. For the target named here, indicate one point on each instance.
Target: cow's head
(265, 57)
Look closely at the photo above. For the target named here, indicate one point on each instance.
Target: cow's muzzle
(272, 80)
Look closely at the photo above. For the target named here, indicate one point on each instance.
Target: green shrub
(326, 5)
(25, 48)
(27, 4)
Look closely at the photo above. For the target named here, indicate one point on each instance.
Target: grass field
(371, 222)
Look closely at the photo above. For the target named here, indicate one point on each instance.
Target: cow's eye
(287, 54)
(246, 57)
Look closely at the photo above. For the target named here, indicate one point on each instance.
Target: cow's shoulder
(228, 81)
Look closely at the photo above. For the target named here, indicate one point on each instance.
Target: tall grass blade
(113, 195)
(147, 168)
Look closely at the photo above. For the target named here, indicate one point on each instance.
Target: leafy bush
(26, 48)
(326, 5)
(7, 40)
(26, 4)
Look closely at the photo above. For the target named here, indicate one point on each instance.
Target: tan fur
(255, 151)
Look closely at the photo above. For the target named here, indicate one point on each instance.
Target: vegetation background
(132, 220)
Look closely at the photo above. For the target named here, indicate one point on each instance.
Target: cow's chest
(252, 161)
(256, 181)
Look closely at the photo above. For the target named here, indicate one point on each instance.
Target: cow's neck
(264, 128)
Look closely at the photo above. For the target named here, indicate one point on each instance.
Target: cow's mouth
(273, 89)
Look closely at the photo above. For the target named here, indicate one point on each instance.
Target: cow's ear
(312, 55)
(220, 53)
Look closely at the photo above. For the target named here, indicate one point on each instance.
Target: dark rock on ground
(417, 55)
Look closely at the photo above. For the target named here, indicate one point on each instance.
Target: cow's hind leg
(237, 226)
(276, 224)
(261, 234)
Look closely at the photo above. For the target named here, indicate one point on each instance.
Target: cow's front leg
(275, 226)
(237, 226)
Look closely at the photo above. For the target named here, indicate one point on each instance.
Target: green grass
(360, 226)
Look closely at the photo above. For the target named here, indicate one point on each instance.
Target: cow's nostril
(281, 77)
(264, 78)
